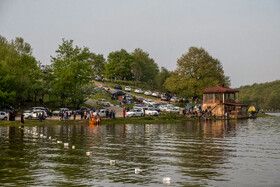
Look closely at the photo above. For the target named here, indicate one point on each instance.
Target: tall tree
(19, 71)
(72, 73)
(196, 70)
(144, 68)
(161, 78)
(97, 63)
(119, 64)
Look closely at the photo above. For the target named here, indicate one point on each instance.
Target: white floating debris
(73, 146)
(50, 138)
(28, 131)
(59, 141)
(41, 135)
(88, 153)
(112, 162)
(45, 137)
(66, 144)
(137, 170)
(166, 180)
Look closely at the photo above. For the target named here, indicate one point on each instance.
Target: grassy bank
(162, 119)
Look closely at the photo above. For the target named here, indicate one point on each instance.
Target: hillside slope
(264, 95)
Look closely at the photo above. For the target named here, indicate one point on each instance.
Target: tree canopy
(264, 95)
(196, 70)
(144, 68)
(72, 73)
(20, 75)
(119, 64)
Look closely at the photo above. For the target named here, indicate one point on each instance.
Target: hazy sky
(244, 35)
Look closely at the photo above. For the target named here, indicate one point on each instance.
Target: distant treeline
(263, 96)
(68, 78)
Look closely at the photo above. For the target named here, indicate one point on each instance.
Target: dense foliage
(67, 80)
(72, 73)
(20, 75)
(196, 70)
(263, 96)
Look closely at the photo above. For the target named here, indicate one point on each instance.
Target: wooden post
(223, 97)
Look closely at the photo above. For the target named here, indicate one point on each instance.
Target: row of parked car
(151, 109)
(163, 96)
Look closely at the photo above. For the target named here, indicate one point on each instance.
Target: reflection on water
(212, 153)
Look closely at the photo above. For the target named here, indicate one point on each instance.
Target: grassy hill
(264, 95)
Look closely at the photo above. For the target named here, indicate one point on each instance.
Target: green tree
(196, 70)
(97, 63)
(72, 73)
(119, 64)
(161, 78)
(19, 71)
(144, 68)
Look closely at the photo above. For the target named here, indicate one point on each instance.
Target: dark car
(117, 92)
(118, 87)
(82, 109)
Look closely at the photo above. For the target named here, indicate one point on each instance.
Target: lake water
(221, 153)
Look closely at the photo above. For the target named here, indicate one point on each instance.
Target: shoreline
(119, 120)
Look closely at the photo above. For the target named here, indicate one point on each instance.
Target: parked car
(117, 86)
(135, 112)
(173, 109)
(138, 90)
(164, 107)
(151, 112)
(156, 94)
(174, 99)
(148, 102)
(127, 88)
(129, 97)
(137, 106)
(82, 109)
(148, 92)
(3, 115)
(97, 89)
(56, 112)
(27, 114)
(117, 92)
(106, 104)
(106, 87)
(97, 78)
(101, 113)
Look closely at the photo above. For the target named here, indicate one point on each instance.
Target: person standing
(124, 112)
(74, 115)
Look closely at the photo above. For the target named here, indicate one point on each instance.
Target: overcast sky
(243, 35)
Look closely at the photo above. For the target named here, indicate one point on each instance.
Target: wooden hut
(221, 100)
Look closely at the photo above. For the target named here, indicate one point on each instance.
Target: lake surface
(221, 153)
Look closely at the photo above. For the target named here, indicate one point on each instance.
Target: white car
(174, 99)
(127, 88)
(101, 113)
(151, 112)
(156, 94)
(27, 114)
(149, 102)
(148, 92)
(164, 107)
(173, 109)
(106, 104)
(56, 112)
(135, 112)
(138, 90)
(3, 115)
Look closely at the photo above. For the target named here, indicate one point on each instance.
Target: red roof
(219, 89)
